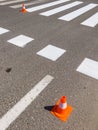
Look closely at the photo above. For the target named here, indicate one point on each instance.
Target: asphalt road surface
(48, 52)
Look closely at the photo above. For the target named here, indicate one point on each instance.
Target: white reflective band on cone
(63, 105)
(24, 7)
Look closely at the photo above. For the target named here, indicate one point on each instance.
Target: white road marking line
(46, 5)
(26, 4)
(89, 67)
(59, 9)
(11, 2)
(18, 108)
(20, 40)
(92, 21)
(51, 52)
(2, 0)
(76, 13)
(3, 30)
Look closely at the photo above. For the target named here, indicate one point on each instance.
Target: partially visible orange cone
(61, 109)
(23, 9)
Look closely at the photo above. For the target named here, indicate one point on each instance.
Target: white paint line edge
(43, 6)
(20, 40)
(2, 0)
(78, 12)
(12, 2)
(27, 4)
(89, 67)
(61, 8)
(18, 108)
(3, 30)
(51, 52)
(92, 21)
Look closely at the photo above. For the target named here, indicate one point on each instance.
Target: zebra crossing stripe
(89, 67)
(92, 21)
(26, 4)
(20, 41)
(59, 9)
(46, 5)
(51, 52)
(24, 102)
(76, 13)
(2, 0)
(3, 30)
(11, 2)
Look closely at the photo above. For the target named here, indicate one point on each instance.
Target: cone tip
(63, 99)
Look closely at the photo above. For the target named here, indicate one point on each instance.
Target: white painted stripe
(89, 67)
(3, 30)
(46, 5)
(2, 0)
(20, 40)
(26, 4)
(76, 13)
(92, 21)
(16, 110)
(11, 2)
(59, 9)
(51, 52)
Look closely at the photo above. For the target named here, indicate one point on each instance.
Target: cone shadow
(49, 108)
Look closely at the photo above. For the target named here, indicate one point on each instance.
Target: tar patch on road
(8, 70)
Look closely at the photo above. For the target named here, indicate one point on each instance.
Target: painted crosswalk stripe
(92, 21)
(26, 4)
(18, 108)
(89, 67)
(20, 40)
(76, 13)
(59, 9)
(51, 52)
(3, 30)
(43, 6)
(11, 2)
(2, 0)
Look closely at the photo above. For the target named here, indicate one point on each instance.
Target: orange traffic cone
(61, 109)
(23, 9)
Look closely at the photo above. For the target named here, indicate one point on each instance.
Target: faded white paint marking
(89, 67)
(76, 13)
(3, 30)
(20, 40)
(92, 21)
(51, 52)
(46, 5)
(59, 9)
(11, 2)
(16, 110)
